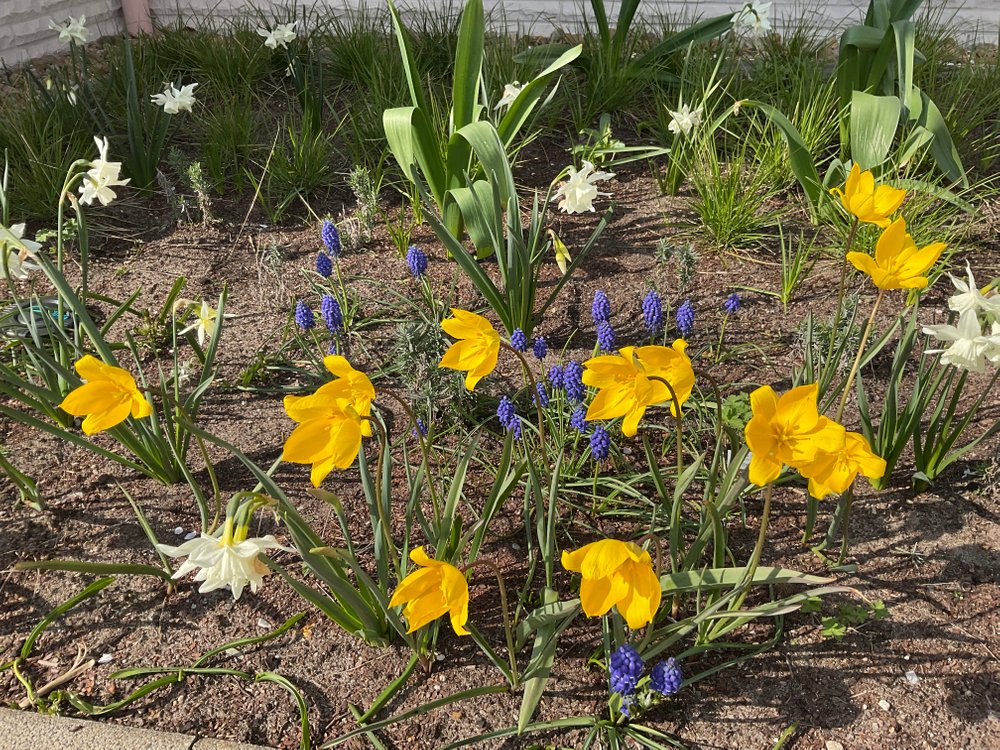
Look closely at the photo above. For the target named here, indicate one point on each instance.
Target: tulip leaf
(942, 147)
(874, 120)
(409, 65)
(413, 143)
(520, 109)
(543, 653)
(800, 157)
(468, 65)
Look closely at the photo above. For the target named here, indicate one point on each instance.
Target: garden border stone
(27, 730)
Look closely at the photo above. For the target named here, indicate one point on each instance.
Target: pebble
(912, 677)
(833, 745)
(263, 624)
(105, 658)
(884, 704)
(439, 657)
(178, 531)
(190, 535)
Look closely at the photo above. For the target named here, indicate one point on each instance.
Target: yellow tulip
(833, 473)
(627, 383)
(352, 385)
(107, 398)
(868, 203)
(787, 430)
(328, 436)
(432, 590)
(477, 348)
(616, 574)
(898, 264)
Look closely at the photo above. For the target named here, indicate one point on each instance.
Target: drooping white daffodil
(279, 36)
(970, 297)
(227, 559)
(17, 253)
(510, 92)
(71, 30)
(993, 351)
(101, 177)
(969, 348)
(175, 100)
(753, 18)
(684, 120)
(206, 322)
(577, 193)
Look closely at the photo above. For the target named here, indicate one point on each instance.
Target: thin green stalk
(678, 423)
(529, 376)
(425, 454)
(857, 359)
(508, 624)
(840, 290)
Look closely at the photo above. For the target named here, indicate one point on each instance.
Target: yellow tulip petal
(92, 397)
(599, 595)
(104, 420)
(640, 604)
(604, 557)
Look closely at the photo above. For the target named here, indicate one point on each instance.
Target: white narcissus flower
(993, 350)
(206, 322)
(510, 92)
(970, 297)
(229, 559)
(754, 17)
(969, 347)
(101, 177)
(72, 30)
(279, 36)
(578, 192)
(17, 253)
(684, 120)
(175, 100)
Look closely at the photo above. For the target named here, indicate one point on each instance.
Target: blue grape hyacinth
(732, 304)
(555, 376)
(543, 396)
(625, 670)
(331, 238)
(685, 318)
(540, 348)
(606, 339)
(572, 381)
(324, 266)
(304, 316)
(578, 421)
(600, 310)
(416, 259)
(331, 313)
(600, 443)
(507, 415)
(666, 677)
(652, 312)
(518, 340)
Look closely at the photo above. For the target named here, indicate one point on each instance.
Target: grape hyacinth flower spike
(685, 318)
(600, 310)
(518, 340)
(416, 259)
(331, 238)
(304, 316)
(652, 312)
(540, 348)
(324, 266)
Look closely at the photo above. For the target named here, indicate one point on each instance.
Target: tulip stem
(857, 359)
(534, 391)
(508, 626)
(759, 546)
(678, 417)
(425, 455)
(840, 292)
(383, 445)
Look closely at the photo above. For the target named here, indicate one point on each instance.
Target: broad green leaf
(699, 32)
(801, 159)
(468, 65)
(521, 108)
(942, 147)
(409, 66)
(874, 120)
(413, 143)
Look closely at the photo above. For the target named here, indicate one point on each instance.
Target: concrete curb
(26, 730)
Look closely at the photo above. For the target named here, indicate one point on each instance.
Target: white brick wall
(24, 32)
(980, 17)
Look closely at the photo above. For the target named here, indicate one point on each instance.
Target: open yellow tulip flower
(477, 348)
(833, 473)
(352, 385)
(616, 574)
(328, 436)
(108, 397)
(432, 590)
(898, 263)
(788, 430)
(867, 202)
(627, 382)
